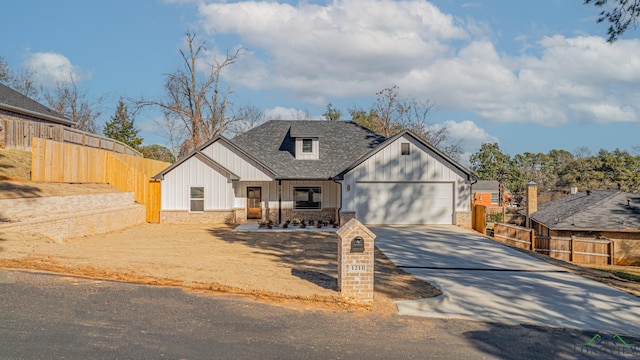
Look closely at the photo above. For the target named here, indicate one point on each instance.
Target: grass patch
(624, 275)
(15, 165)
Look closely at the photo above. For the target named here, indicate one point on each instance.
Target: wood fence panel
(543, 244)
(515, 235)
(478, 217)
(64, 162)
(591, 252)
(153, 202)
(560, 248)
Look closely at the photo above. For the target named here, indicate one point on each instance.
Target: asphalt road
(45, 316)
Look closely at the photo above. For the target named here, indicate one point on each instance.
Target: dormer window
(307, 146)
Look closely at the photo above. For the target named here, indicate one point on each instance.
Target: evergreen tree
(121, 127)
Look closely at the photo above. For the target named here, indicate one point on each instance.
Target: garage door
(404, 203)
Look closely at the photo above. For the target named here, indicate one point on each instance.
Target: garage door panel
(404, 203)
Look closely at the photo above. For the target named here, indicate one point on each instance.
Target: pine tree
(122, 128)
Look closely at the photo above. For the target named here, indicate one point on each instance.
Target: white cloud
(49, 68)
(466, 133)
(282, 113)
(353, 48)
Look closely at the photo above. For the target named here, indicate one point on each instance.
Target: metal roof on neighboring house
(598, 209)
(13, 101)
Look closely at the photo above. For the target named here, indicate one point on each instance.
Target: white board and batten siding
(235, 163)
(419, 188)
(218, 192)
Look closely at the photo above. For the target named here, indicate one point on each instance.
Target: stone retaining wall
(65, 217)
(13, 209)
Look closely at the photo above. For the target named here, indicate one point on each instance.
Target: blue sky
(531, 75)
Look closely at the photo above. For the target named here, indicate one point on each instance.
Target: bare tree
(245, 118)
(69, 100)
(21, 81)
(195, 99)
(5, 71)
(393, 113)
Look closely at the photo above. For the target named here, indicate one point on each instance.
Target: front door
(254, 203)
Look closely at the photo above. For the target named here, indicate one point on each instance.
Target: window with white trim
(307, 198)
(196, 197)
(494, 198)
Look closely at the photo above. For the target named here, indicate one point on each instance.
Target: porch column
(279, 201)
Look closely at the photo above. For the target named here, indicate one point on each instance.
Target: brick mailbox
(355, 261)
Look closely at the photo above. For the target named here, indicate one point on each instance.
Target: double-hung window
(196, 197)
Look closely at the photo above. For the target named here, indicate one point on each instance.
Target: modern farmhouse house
(316, 170)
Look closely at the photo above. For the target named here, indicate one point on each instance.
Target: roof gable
(415, 138)
(13, 101)
(206, 160)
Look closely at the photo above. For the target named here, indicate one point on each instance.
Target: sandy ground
(277, 267)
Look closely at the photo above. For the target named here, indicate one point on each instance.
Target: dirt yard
(292, 268)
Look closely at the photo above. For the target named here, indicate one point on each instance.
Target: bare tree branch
(195, 99)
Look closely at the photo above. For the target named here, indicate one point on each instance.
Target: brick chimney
(532, 201)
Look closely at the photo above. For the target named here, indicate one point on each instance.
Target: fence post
(610, 248)
(572, 244)
(532, 239)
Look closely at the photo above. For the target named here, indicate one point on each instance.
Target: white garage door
(404, 203)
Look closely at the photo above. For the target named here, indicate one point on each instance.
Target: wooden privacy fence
(515, 235)
(59, 162)
(478, 219)
(578, 250)
(19, 134)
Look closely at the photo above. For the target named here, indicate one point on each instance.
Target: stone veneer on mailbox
(355, 269)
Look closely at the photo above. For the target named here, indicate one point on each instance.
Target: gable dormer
(307, 143)
(307, 148)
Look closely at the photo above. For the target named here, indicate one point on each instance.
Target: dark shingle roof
(488, 186)
(14, 101)
(341, 143)
(601, 209)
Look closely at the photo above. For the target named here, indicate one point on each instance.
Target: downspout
(471, 192)
(279, 201)
(340, 206)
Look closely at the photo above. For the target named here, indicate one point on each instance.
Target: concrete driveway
(484, 280)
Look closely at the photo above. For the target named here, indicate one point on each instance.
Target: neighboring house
(15, 105)
(487, 192)
(316, 170)
(606, 213)
(22, 118)
(597, 214)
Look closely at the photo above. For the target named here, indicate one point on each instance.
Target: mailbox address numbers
(357, 268)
